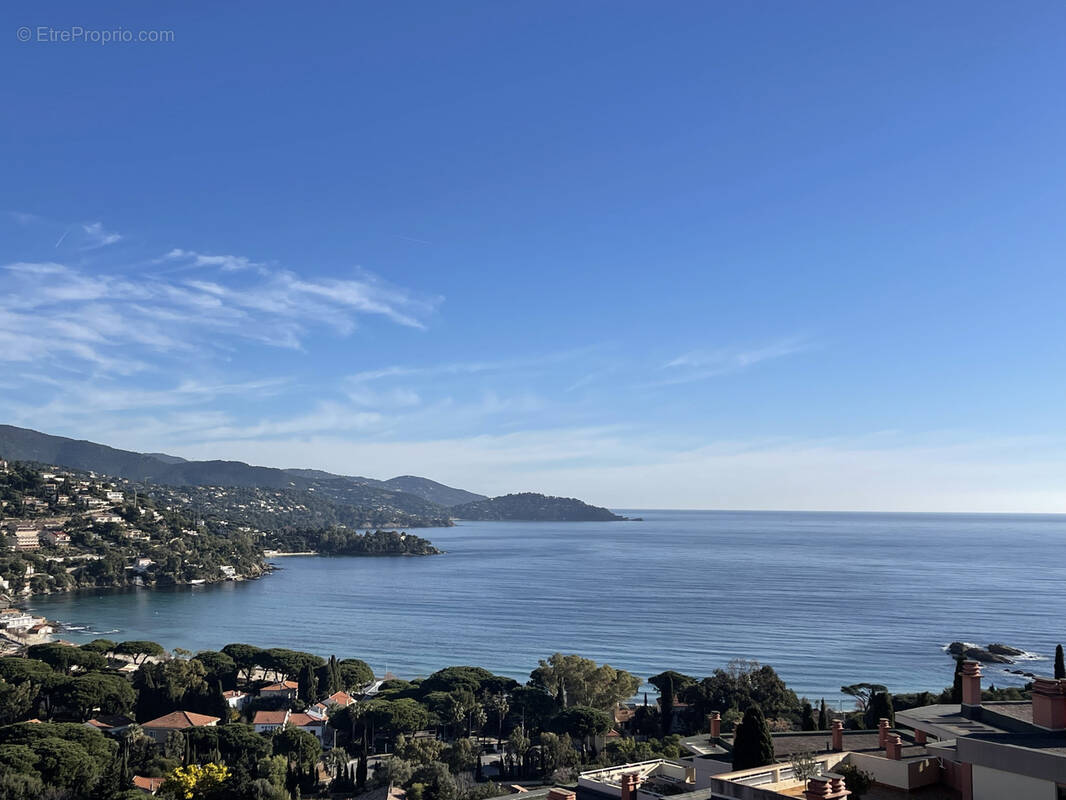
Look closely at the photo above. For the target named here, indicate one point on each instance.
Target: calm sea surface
(827, 599)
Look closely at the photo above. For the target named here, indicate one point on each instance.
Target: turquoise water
(827, 599)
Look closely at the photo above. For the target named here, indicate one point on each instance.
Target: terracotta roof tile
(270, 717)
(181, 719)
(147, 784)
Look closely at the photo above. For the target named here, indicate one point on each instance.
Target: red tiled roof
(301, 720)
(280, 687)
(343, 698)
(181, 719)
(270, 717)
(150, 785)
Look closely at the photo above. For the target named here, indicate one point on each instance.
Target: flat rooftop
(944, 722)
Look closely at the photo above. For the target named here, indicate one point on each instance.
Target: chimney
(557, 793)
(817, 788)
(836, 785)
(714, 723)
(971, 689)
(826, 787)
(630, 784)
(894, 748)
(882, 732)
(838, 736)
(1049, 704)
(919, 737)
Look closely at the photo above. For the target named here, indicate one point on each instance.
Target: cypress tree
(308, 684)
(148, 700)
(956, 685)
(807, 722)
(291, 780)
(752, 744)
(328, 680)
(125, 770)
(218, 705)
(1060, 665)
(823, 717)
(360, 771)
(666, 707)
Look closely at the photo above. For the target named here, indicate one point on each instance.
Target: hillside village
(66, 530)
(63, 529)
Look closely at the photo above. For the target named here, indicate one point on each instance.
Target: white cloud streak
(699, 365)
(119, 323)
(196, 260)
(97, 236)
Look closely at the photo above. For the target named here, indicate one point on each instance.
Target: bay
(826, 599)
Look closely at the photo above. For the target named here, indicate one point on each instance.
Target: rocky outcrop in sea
(995, 653)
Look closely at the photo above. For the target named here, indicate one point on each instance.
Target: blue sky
(703, 255)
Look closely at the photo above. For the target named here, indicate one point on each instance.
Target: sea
(827, 599)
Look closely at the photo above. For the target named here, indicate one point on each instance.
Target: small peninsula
(341, 541)
(533, 507)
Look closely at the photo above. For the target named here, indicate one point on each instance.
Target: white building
(15, 619)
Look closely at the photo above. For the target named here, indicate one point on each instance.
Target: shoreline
(279, 554)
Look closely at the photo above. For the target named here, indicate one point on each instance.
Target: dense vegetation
(280, 509)
(533, 507)
(433, 736)
(159, 536)
(464, 710)
(104, 553)
(345, 542)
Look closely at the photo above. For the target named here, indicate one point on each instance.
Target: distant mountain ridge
(425, 488)
(431, 490)
(415, 501)
(23, 444)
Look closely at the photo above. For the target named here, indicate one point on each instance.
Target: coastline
(512, 593)
(280, 554)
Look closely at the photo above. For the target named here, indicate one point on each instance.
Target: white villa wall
(994, 784)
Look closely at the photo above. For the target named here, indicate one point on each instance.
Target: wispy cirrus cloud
(194, 260)
(51, 310)
(699, 365)
(94, 343)
(471, 367)
(80, 398)
(84, 236)
(97, 236)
